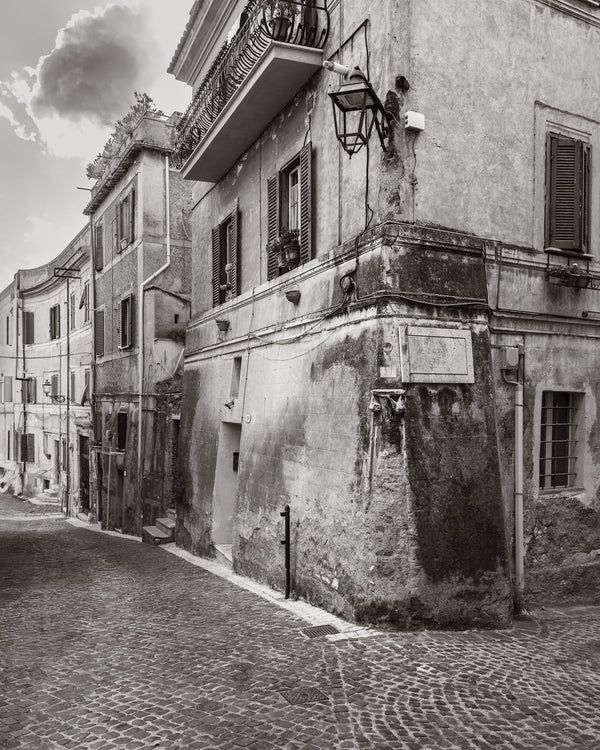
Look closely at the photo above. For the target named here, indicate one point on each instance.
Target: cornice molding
(575, 9)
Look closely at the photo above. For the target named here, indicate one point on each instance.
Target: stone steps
(162, 532)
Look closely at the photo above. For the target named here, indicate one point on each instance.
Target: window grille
(558, 440)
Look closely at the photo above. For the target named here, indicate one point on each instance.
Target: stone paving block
(153, 652)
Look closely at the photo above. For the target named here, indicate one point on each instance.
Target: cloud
(20, 132)
(98, 61)
(77, 91)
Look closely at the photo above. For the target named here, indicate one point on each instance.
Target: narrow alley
(108, 643)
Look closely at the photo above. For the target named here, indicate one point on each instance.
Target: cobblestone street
(108, 643)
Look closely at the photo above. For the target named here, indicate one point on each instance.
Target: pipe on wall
(518, 491)
(144, 283)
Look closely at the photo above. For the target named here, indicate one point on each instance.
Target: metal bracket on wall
(391, 397)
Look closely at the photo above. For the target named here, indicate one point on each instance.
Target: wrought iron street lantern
(356, 110)
(47, 389)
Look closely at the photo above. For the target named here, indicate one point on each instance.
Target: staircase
(162, 532)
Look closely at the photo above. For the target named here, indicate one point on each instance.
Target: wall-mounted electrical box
(509, 358)
(414, 121)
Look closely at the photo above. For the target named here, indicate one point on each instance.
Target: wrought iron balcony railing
(303, 23)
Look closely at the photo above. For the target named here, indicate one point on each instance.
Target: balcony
(278, 47)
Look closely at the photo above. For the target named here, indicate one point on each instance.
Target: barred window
(558, 440)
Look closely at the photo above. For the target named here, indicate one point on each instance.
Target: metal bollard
(286, 515)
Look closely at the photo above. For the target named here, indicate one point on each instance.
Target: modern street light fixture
(356, 110)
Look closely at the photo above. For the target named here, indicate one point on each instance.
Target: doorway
(226, 483)
(84, 473)
(56, 462)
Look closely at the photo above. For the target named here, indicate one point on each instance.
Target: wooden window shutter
(30, 447)
(567, 184)
(115, 236)
(55, 386)
(132, 215)
(235, 253)
(273, 222)
(305, 204)
(22, 446)
(8, 397)
(99, 248)
(216, 265)
(99, 332)
(28, 329)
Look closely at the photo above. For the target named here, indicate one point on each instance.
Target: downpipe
(518, 488)
(144, 283)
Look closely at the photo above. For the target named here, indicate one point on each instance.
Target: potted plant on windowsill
(286, 247)
(280, 14)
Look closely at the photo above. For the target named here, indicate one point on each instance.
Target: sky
(68, 72)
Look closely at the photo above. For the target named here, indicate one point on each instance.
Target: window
(29, 391)
(28, 327)
(236, 372)
(72, 312)
(99, 247)
(124, 224)
(84, 301)
(99, 332)
(567, 193)
(71, 385)
(28, 447)
(558, 440)
(125, 322)
(121, 430)
(289, 205)
(55, 322)
(226, 259)
(55, 385)
(8, 394)
(46, 444)
(8, 329)
(85, 396)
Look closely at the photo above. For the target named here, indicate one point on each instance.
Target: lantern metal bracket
(356, 102)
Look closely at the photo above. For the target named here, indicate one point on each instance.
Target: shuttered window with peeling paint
(567, 193)
(289, 207)
(226, 247)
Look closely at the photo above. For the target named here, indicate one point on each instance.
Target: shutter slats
(305, 204)
(99, 332)
(132, 215)
(99, 248)
(568, 186)
(272, 222)
(235, 253)
(216, 265)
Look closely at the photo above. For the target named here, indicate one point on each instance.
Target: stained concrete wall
(117, 371)
(403, 538)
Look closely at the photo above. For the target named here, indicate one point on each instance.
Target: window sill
(561, 491)
(568, 253)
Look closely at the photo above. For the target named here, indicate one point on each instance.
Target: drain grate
(300, 696)
(318, 630)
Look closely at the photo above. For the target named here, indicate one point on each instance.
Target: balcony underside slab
(278, 75)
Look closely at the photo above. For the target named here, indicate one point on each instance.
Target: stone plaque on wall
(436, 355)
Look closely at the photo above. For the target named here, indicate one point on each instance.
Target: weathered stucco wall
(404, 538)
(477, 76)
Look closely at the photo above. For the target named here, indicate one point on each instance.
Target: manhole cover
(318, 630)
(299, 696)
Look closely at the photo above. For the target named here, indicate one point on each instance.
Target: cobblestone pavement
(107, 643)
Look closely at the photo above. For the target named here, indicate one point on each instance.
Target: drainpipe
(144, 283)
(518, 485)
